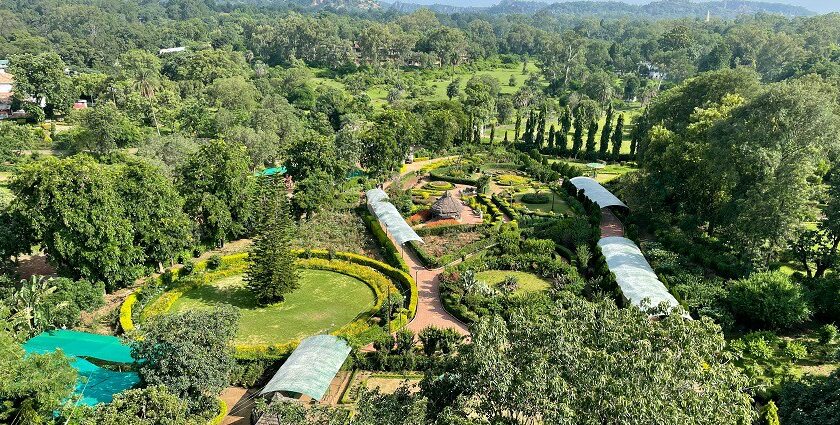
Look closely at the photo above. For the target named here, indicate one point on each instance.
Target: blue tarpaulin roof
(274, 170)
(96, 384)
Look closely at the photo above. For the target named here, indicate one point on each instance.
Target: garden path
(610, 224)
(430, 309)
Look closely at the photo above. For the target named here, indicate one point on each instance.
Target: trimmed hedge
(407, 285)
(223, 410)
(431, 261)
(404, 283)
(440, 174)
(505, 207)
(535, 198)
(456, 228)
(392, 256)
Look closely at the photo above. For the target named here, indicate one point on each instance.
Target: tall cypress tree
(618, 136)
(506, 138)
(540, 138)
(561, 141)
(606, 132)
(590, 139)
(577, 139)
(551, 136)
(492, 132)
(517, 127)
(272, 272)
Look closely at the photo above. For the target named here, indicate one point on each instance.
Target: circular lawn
(324, 302)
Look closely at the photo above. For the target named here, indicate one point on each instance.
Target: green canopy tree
(217, 187)
(579, 362)
(189, 353)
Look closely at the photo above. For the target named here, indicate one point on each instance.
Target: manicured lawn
(559, 206)
(324, 302)
(528, 282)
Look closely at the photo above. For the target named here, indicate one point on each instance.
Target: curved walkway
(430, 309)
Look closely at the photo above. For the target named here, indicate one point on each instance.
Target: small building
(447, 206)
(80, 104)
(6, 94)
(4, 64)
(171, 50)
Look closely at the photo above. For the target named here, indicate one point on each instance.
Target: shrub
(439, 185)
(824, 294)
(826, 334)
(535, 198)
(511, 180)
(795, 350)
(214, 262)
(768, 300)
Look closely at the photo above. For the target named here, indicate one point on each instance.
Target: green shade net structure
(274, 170)
(311, 367)
(390, 218)
(96, 384)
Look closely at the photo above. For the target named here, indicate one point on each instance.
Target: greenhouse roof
(311, 367)
(634, 276)
(597, 193)
(391, 219)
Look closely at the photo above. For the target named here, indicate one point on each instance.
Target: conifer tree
(506, 138)
(606, 132)
(540, 138)
(517, 127)
(551, 136)
(562, 143)
(590, 139)
(492, 132)
(577, 139)
(618, 136)
(272, 272)
(566, 121)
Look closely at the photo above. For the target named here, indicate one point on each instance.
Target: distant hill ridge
(663, 9)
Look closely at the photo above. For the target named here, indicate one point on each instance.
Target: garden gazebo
(447, 206)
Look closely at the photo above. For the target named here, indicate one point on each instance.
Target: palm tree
(146, 82)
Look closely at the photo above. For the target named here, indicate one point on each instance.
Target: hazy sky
(815, 5)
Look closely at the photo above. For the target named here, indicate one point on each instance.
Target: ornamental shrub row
(392, 256)
(505, 207)
(440, 174)
(407, 285)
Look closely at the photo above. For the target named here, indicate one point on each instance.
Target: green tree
(161, 228)
(453, 90)
(73, 209)
(511, 369)
(399, 408)
(272, 272)
(606, 133)
(810, 401)
(42, 77)
(217, 187)
(32, 386)
(189, 353)
(768, 300)
(618, 136)
(590, 139)
(143, 406)
(104, 129)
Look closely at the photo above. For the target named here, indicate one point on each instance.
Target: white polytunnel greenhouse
(390, 218)
(637, 280)
(597, 193)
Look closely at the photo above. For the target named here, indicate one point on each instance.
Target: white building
(6, 82)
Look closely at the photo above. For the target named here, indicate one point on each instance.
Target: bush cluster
(535, 198)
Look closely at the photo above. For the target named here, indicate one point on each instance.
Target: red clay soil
(610, 224)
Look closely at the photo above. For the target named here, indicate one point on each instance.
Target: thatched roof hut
(447, 206)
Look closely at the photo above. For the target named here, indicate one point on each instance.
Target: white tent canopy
(390, 219)
(597, 193)
(634, 276)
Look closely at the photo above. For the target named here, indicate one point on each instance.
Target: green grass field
(528, 282)
(324, 302)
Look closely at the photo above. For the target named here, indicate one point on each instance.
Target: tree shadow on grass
(235, 295)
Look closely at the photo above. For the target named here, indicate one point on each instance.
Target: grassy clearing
(528, 282)
(324, 302)
(558, 205)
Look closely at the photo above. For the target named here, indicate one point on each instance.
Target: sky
(822, 6)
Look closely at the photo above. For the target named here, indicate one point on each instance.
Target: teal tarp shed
(96, 384)
(272, 171)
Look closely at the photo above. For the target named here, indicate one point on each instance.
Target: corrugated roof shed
(597, 193)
